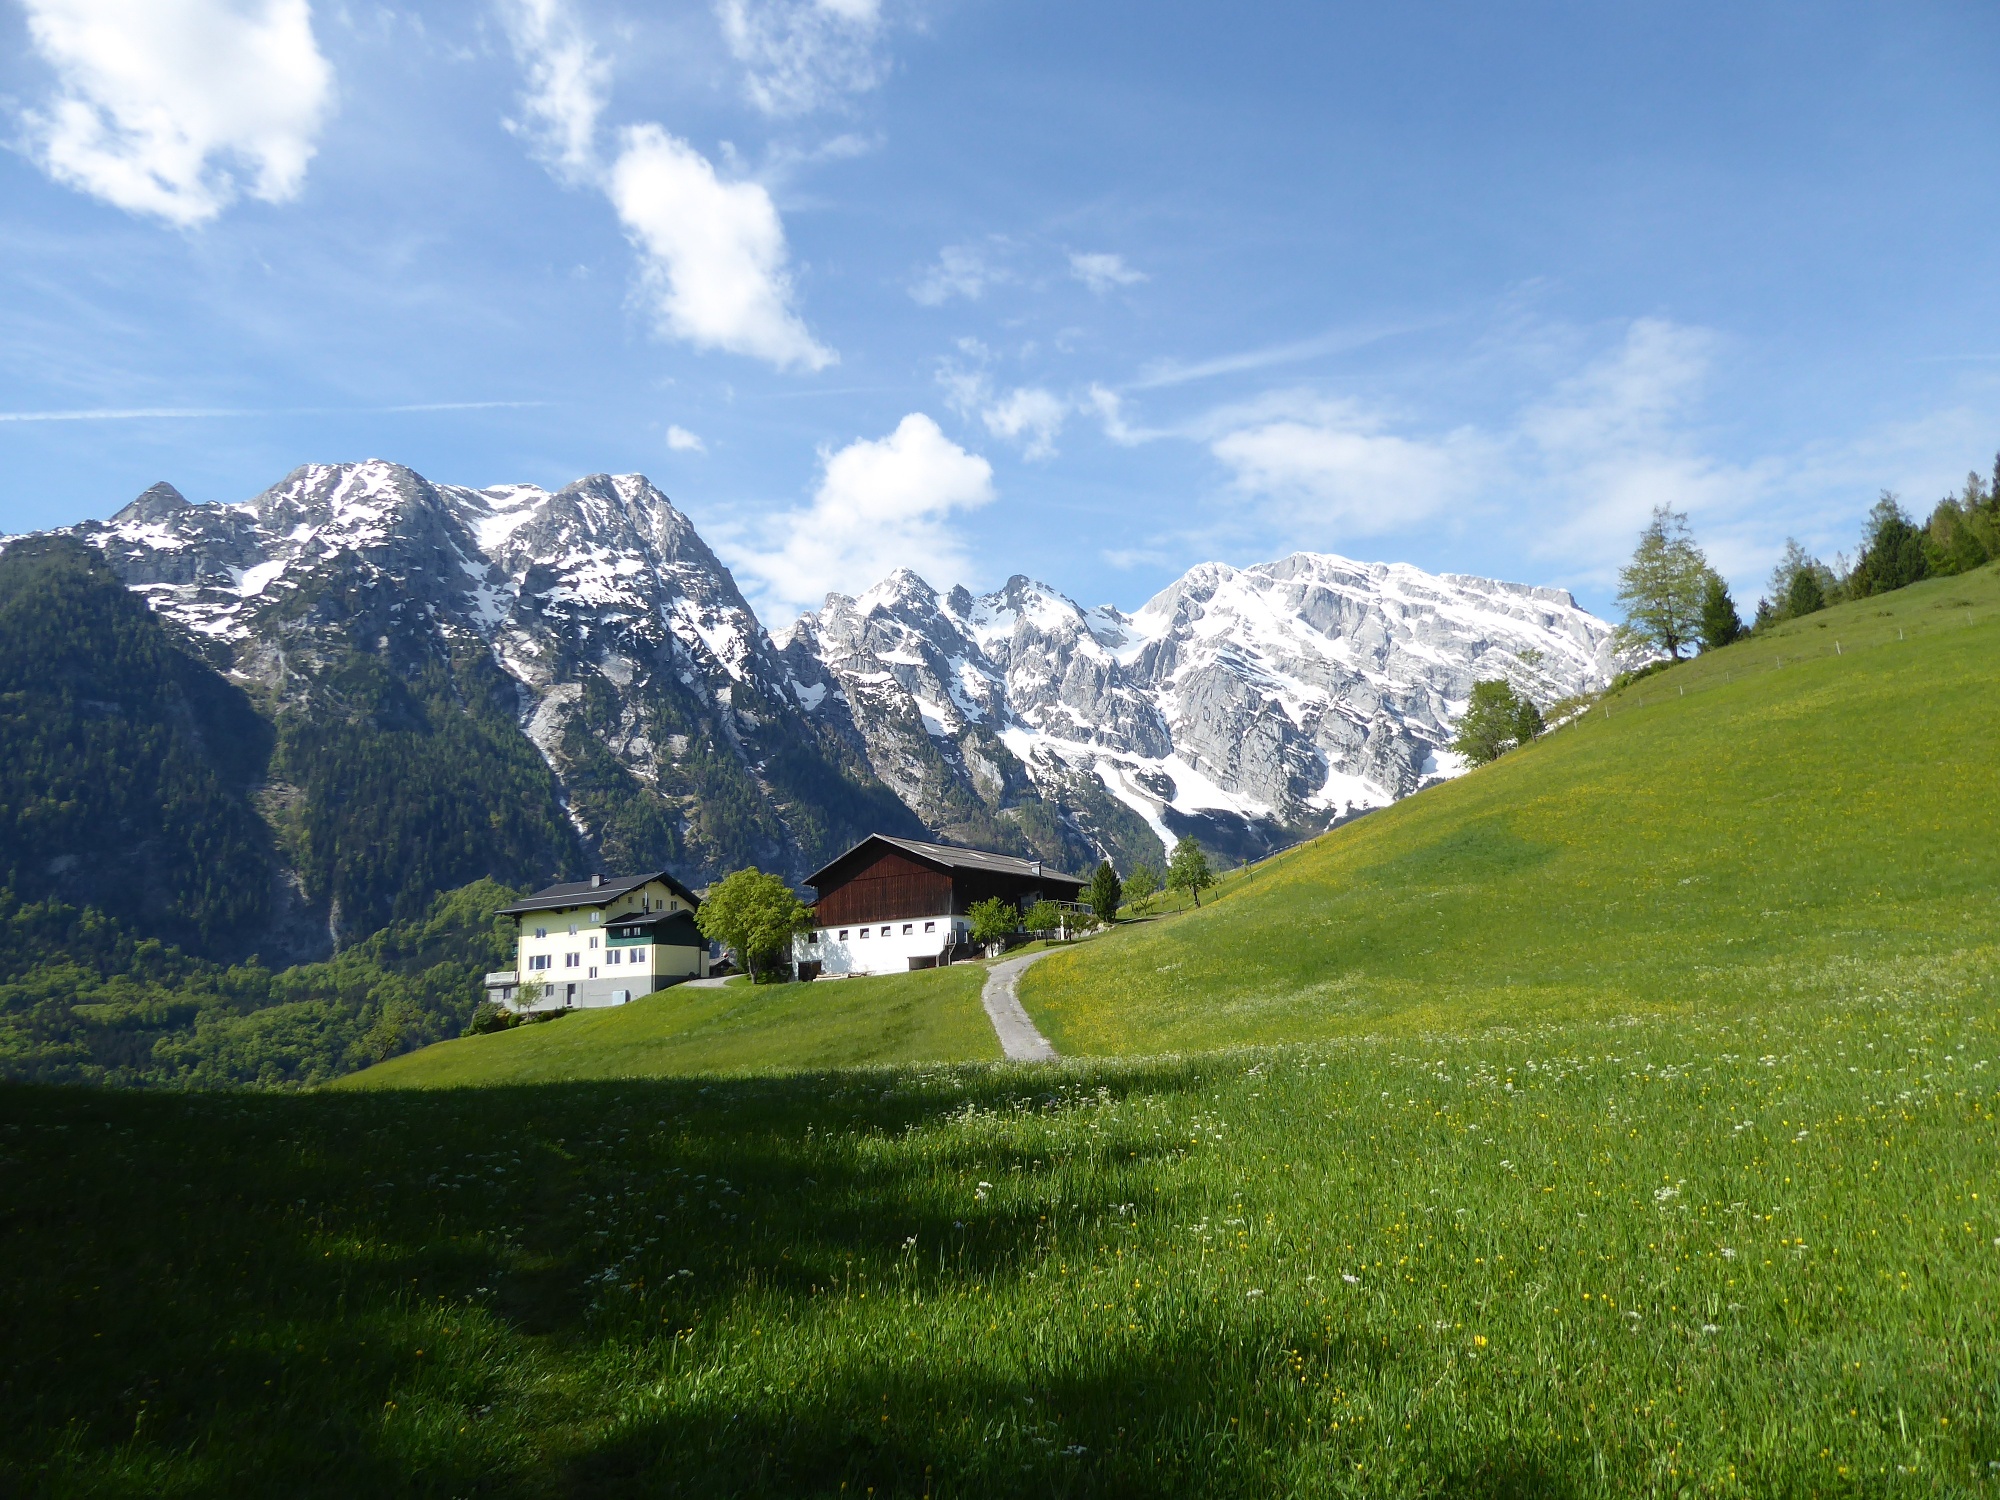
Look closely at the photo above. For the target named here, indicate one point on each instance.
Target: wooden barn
(888, 905)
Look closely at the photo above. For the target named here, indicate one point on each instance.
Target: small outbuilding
(890, 905)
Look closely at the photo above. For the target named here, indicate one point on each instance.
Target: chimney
(596, 881)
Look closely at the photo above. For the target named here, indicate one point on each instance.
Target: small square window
(885, 931)
(930, 927)
(541, 932)
(614, 957)
(593, 940)
(908, 928)
(864, 934)
(843, 934)
(593, 971)
(572, 929)
(638, 955)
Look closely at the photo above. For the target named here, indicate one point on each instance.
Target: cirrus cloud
(1330, 465)
(172, 107)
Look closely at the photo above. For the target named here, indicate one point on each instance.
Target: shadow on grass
(485, 1291)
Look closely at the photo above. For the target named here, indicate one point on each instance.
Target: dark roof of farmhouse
(574, 893)
(954, 858)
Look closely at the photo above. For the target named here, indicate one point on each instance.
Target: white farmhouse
(601, 941)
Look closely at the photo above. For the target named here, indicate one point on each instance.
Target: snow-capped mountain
(591, 623)
(1246, 706)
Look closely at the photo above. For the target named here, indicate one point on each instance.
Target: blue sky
(1090, 293)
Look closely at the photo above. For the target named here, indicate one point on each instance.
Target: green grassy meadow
(928, 1016)
(1633, 1256)
(1746, 824)
(1617, 1120)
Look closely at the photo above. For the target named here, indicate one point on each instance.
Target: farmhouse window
(593, 940)
(538, 961)
(638, 955)
(843, 934)
(572, 960)
(930, 927)
(864, 934)
(593, 971)
(908, 929)
(885, 930)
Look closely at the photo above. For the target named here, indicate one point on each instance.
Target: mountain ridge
(591, 663)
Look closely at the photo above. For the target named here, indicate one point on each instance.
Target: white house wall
(887, 948)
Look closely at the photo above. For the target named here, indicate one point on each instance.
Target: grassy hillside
(926, 1017)
(1773, 818)
(1715, 1210)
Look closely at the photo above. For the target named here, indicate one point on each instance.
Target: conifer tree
(1105, 893)
(1720, 624)
(1892, 557)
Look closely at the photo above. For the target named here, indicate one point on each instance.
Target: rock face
(577, 659)
(573, 679)
(1246, 706)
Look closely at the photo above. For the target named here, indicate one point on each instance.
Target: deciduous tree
(1142, 885)
(993, 919)
(1496, 720)
(1661, 588)
(1188, 869)
(757, 915)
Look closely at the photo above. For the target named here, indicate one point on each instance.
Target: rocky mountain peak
(155, 503)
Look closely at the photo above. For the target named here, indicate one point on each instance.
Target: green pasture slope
(929, 1016)
(1729, 1232)
(1770, 819)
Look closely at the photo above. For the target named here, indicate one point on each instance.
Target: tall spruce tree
(1892, 557)
(1105, 893)
(1720, 624)
(1661, 588)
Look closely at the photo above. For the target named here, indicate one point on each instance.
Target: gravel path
(1018, 1038)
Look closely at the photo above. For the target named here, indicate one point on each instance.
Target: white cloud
(569, 83)
(682, 441)
(713, 263)
(961, 271)
(881, 504)
(1030, 416)
(1329, 467)
(162, 103)
(799, 55)
(713, 257)
(1101, 272)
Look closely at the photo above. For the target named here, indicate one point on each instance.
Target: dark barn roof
(951, 858)
(583, 893)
